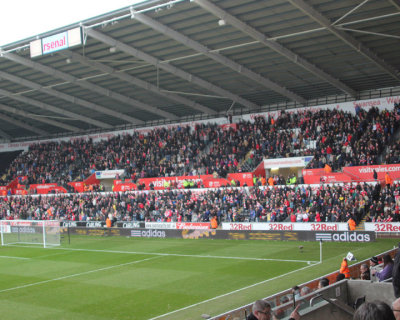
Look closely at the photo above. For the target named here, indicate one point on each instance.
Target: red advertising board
(124, 186)
(47, 188)
(208, 180)
(243, 177)
(192, 225)
(327, 178)
(366, 172)
(20, 192)
(215, 183)
(159, 182)
(349, 174)
(78, 186)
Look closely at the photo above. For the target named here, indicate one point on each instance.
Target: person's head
(374, 311)
(396, 308)
(262, 310)
(364, 268)
(373, 261)
(340, 277)
(305, 291)
(387, 313)
(387, 259)
(296, 289)
(323, 282)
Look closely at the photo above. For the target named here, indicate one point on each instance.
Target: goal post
(35, 232)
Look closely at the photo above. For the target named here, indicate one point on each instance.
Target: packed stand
(262, 204)
(162, 152)
(331, 136)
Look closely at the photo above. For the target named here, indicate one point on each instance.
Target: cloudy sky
(20, 19)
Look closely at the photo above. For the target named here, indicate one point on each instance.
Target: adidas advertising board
(346, 236)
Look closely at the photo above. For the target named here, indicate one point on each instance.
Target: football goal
(37, 232)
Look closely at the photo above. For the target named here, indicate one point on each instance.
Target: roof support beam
(95, 88)
(138, 82)
(169, 68)
(63, 96)
(51, 108)
(21, 124)
(345, 37)
(38, 118)
(396, 3)
(273, 45)
(218, 57)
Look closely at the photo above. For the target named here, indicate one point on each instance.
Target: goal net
(42, 232)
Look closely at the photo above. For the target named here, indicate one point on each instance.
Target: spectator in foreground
(323, 282)
(340, 277)
(376, 310)
(365, 273)
(396, 274)
(396, 308)
(295, 315)
(373, 262)
(261, 310)
(387, 271)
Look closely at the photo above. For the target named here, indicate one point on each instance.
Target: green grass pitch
(129, 278)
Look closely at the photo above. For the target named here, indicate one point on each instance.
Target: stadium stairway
(361, 225)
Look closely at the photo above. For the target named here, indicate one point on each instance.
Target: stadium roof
(183, 60)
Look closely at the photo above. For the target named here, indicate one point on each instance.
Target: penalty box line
(173, 254)
(232, 292)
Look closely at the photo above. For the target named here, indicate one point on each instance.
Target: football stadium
(204, 159)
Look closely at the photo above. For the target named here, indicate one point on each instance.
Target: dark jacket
(396, 274)
(251, 316)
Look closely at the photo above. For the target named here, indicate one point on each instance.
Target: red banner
(326, 177)
(349, 174)
(124, 186)
(3, 188)
(20, 192)
(46, 188)
(192, 225)
(215, 183)
(242, 177)
(78, 186)
(366, 172)
(159, 182)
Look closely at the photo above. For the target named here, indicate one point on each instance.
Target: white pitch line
(232, 292)
(20, 258)
(174, 254)
(76, 275)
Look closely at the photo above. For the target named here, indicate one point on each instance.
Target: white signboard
(287, 162)
(160, 225)
(285, 226)
(109, 174)
(56, 42)
(382, 226)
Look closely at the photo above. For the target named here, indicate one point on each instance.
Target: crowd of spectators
(393, 154)
(262, 204)
(333, 137)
